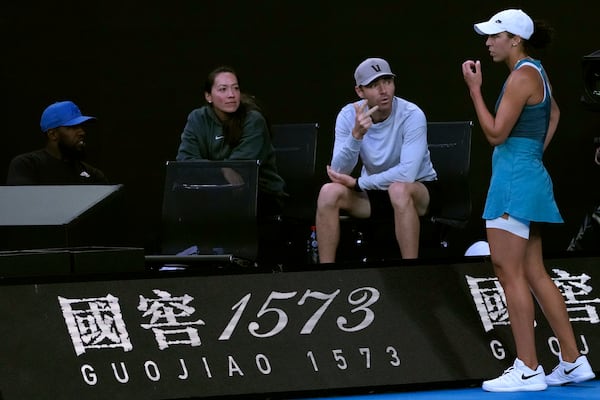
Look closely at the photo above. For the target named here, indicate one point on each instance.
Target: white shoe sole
(579, 379)
(524, 388)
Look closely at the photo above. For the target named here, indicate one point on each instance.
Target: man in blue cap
(61, 161)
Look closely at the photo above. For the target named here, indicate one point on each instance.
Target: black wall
(139, 68)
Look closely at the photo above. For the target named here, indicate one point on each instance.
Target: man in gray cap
(389, 135)
(61, 161)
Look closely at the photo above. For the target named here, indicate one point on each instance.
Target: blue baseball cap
(62, 113)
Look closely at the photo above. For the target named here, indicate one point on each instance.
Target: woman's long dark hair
(232, 127)
(540, 39)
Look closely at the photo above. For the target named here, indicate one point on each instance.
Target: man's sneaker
(518, 378)
(565, 372)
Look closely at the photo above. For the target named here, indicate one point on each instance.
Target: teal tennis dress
(520, 185)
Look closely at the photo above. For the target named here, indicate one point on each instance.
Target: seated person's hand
(363, 120)
(232, 176)
(340, 178)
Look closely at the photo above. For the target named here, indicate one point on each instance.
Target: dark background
(139, 68)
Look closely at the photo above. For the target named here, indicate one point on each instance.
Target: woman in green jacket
(231, 127)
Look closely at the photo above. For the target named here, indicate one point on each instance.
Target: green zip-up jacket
(202, 139)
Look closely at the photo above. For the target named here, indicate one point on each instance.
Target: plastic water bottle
(361, 246)
(312, 246)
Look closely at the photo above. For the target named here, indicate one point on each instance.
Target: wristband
(357, 186)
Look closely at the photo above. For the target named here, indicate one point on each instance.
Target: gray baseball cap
(371, 69)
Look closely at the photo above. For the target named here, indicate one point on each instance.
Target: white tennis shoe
(565, 372)
(518, 378)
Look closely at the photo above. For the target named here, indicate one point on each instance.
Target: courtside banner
(168, 336)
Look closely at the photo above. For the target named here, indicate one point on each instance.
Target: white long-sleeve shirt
(393, 150)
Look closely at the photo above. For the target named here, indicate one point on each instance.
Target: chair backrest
(204, 207)
(296, 152)
(450, 149)
(295, 149)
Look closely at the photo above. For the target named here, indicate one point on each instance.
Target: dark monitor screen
(209, 207)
